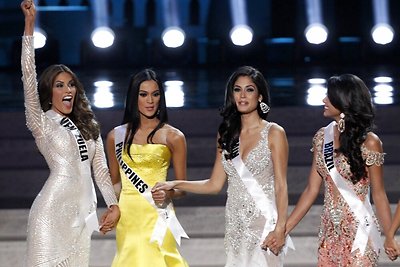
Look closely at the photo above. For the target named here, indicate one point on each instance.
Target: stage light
(383, 79)
(241, 35)
(316, 33)
(382, 34)
(316, 91)
(173, 37)
(174, 95)
(383, 91)
(103, 37)
(40, 38)
(103, 98)
(316, 81)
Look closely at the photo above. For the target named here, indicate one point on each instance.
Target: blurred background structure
(195, 45)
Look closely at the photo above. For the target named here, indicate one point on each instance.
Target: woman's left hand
(109, 219)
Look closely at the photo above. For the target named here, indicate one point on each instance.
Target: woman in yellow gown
(139, 154)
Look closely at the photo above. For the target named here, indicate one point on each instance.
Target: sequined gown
(244, 221)
(338, 224)
(138, 217)
(57, 232)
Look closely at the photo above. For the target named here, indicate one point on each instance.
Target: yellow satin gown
(138, 217)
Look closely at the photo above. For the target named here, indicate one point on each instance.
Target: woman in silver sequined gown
(58, 234)
(262, 147)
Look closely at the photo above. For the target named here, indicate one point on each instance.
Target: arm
(35, 117)
(375, 172)
(29, 10)
(113, 163)
(101, 174)
(392, 248)
(177, 142)
(307, 198)
(280, 151)
(213, 185)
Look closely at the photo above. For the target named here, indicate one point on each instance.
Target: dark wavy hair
(349, 94)
(229, 129)
(132, 114)
(82, 114)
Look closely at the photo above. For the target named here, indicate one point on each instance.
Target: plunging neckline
(258, 143)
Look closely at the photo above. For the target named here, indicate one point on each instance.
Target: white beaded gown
(244, 221)
(57, 232)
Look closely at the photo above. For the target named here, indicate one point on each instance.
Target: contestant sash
(91, 220)
(266, 206)
(362, 210)
(166, 216)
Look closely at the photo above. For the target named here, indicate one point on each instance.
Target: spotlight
(173, 37)
(103, 37)
(174, 95)
(316, 33)
(382, 33)
(40, 38)
(103, 97)
(241, 35)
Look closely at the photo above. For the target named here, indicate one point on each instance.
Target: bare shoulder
(276, 130)
(373, 142)
(173, 134)
(111, 135)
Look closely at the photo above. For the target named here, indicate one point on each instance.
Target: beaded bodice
(338, 223)
(244, 221)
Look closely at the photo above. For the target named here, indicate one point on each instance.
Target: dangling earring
(158, 112)
(264, 107)
(341, 124)
(50, 103)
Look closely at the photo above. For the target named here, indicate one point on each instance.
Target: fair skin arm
(29, 10)
(213, 185)
(280, 151)
(307, 198)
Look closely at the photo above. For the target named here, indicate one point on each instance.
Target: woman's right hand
(29, 10)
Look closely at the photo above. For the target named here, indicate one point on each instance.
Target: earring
(264, 107)
(50, 103)
(341, 123)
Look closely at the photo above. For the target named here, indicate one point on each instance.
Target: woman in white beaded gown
(58, 114)
(252, 154)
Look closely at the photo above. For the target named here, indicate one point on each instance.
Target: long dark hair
(132, 115)
(349, 94)
(82, 114)
(229, 129)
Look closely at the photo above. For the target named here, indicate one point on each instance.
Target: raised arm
(29, 10)
(35, 118)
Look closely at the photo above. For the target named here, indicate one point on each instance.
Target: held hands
(274, 241)
(160, 194)
(109, 219)
(392, 248)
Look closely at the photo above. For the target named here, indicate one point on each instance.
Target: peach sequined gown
(338, 224)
